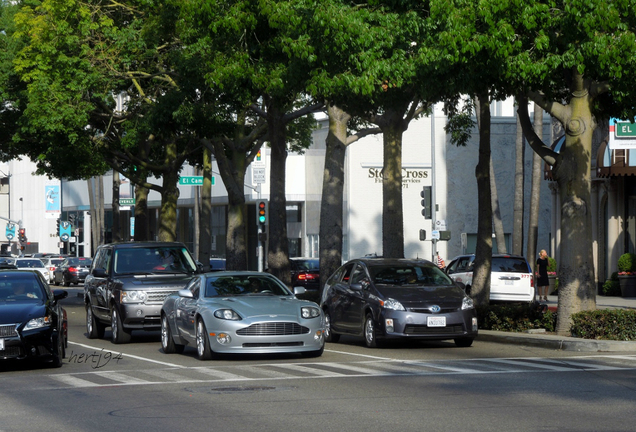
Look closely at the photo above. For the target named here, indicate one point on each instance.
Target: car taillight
(531, 282)
(72, 270)
(307, 276)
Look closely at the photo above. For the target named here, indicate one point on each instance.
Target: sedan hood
(20, 311)
(421, 295)
(254, 306)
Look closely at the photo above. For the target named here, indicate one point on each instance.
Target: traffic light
(426, 202)
(261, 212)
(23, 237)
(57, 231)
(71, 219)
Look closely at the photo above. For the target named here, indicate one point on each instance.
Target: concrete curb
(560, 343)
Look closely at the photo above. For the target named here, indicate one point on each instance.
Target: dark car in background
(217, 264)
(384, 298)
(72, 270)
(305, 272)
(32, 320)
(128, 283)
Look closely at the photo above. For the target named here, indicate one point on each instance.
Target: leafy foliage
(514, 317)
(612, 324)
(612, 286)
(627, 263)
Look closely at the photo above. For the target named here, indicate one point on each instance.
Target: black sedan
(32, 320)
(72, 270)
(378, 298)
(305, 272)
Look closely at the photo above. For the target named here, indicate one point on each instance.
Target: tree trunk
(577, 290)
(517, 218)
(392, 212)
(535, 194)
(331, 209)
(205, 219)
(142, 227)
(480, 290)
(236, 239)
(116, 232)
(497, 223)
(278, 252)
(168, 212)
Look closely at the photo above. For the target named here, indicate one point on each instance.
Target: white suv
(510, 279)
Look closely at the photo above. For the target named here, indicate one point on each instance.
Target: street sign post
(126, 201)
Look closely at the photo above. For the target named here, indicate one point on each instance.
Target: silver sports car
(240, 312)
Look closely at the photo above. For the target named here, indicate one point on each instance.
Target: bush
(552, 266)
(514, 317)
(627, 263)
(611, 324)
(612, 286)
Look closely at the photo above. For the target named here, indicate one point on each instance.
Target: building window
(293, 213)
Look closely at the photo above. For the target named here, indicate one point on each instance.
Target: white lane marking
(72, 381)
(347, 366)
(306, 369)
(361, 355)
(528, 363)
(444, 367)
(583, 366)
(225, 376)
(121, 378)
(128, 355)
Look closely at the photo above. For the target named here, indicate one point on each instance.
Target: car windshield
(308, 264)
(509, 265)
(225, 286)
(153, 260)
(406, 274)
(16, 288)
(29, 263)
(84, 262)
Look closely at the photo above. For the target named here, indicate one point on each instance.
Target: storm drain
(235, 389)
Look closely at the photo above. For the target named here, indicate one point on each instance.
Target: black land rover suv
(128, 282)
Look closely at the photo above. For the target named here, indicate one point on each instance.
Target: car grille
(273, 329)
(8, 330)
(158, 296)
(14, 351)
(274, 344)
(428, 310)
(423, 330)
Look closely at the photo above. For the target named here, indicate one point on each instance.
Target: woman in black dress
(543, 282)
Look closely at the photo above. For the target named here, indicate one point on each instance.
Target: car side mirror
(186, 293)
(356, 286)
(299, 290)
(99, 272)
(59, 294)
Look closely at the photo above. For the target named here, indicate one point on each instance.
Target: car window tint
(509, 265)
(425, 275)
(152, 260)
(243, 285)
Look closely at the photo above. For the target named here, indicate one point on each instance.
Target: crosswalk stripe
(73, 381)
(121, 378)
(306, 369)
(527, 364)
(221, 375)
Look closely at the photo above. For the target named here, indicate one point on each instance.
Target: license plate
(1, 344)
(509, 282)
(437, 321)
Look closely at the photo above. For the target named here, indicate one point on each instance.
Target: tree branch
(545, 152)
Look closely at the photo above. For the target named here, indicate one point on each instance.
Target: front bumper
(31, 344)
(140, 316)
(413, 325)
(310, 338)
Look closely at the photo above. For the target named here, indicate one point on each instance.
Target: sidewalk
(564, 343)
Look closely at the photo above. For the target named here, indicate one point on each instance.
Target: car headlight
(133, 296)
(226, 314)
(392, 304)
(36, 323)
(309, 312)
(467, 303)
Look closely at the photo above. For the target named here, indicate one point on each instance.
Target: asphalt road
(403, 387)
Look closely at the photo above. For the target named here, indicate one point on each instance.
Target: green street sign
(193, 180)
(625, 129)
(126, 201)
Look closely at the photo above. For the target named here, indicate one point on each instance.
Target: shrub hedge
(515, 317)
(612, 286)
(609, 324)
